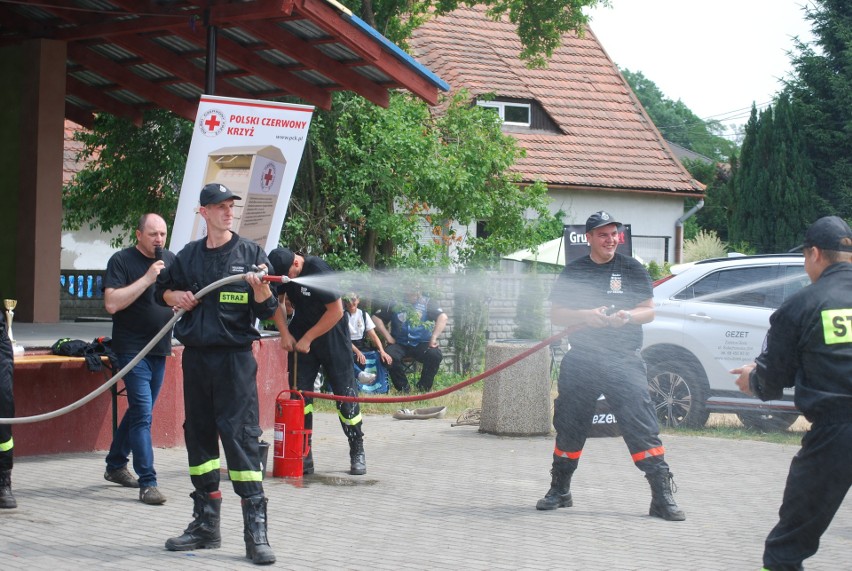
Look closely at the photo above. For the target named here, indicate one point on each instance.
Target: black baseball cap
(214, 193)
(829, 233)
(600, 218)
(282, 259)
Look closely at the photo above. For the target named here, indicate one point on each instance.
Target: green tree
(714, 215)
(375, 178)
(821, 88)
(677, 123)
(774, 187)
(370, 177)
(540, 23)
(529, 311)
(131, 170)
(470, 322)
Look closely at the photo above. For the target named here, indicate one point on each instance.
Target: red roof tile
(70, 165)
(607, 139)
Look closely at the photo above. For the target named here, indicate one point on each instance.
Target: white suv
(712, 316)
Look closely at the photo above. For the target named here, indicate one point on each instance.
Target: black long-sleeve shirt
(224, 318)
(809, 347)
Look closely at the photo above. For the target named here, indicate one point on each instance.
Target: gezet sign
(576, 245)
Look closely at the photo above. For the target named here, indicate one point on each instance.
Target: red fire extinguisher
(291, 444)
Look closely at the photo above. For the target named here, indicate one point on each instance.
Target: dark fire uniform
(7, 397)
(809, 346)
(605, 361)
(219, 370)
(332, 351)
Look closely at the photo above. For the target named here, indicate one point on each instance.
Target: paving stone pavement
(435, 496)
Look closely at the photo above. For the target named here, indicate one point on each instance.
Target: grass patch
(727, 426)
(719, 425)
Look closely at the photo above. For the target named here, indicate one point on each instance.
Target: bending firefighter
(319, 335)
(219, 372)
(610, 295)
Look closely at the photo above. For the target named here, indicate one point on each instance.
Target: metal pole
(210, 64)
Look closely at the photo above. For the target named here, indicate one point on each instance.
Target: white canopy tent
(551, 252)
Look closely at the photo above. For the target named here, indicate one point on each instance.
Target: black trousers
(220, 401)
(622, 379)
(7, 398)
(431, 358)
(819, 478)
(335, 358)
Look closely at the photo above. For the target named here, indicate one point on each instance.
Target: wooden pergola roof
(124, 56)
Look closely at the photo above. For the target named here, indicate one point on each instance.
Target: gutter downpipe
(679, 230)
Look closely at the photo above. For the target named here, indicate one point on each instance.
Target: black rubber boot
(203, 531)
(662, 501)
(559, 494)
(254, 531)
(357, 458)
(7, 500)
(308, 461)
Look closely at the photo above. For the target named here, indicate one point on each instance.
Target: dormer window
(517, 114)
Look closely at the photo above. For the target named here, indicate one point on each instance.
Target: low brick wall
(44, 387)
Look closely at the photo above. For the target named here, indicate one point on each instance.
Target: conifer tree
(774, 188)
(822, 91)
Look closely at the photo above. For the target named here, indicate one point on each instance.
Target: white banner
(252, 147)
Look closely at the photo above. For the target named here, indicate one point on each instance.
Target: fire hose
(262, 274)
(145, 350)
(435, 394)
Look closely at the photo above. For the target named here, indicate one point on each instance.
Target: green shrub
(657, 271)
(706, 244)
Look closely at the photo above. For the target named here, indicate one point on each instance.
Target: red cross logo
(267, 177)
(212, 122)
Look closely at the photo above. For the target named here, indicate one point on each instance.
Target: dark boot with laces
(255, 531)
(203, 531)
(662, 499)
(559, 494)
(7, 500)
(357, 458)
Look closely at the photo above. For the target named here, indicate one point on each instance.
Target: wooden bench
(38, 359)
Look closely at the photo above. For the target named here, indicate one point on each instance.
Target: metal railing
(81, 294)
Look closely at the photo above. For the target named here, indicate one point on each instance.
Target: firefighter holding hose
(219, 372)
(610, 295)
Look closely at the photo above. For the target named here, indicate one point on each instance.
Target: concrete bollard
(516, 401)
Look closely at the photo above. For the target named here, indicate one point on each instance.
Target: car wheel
(769, 422)
(677, 392)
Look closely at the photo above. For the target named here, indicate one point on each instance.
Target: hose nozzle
(276, 279)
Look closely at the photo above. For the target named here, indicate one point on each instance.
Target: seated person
(411, 329)
(361, 326)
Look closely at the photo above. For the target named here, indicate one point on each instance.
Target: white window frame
(501, 109)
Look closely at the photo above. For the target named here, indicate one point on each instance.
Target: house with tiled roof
(83, 249)
(585, 133)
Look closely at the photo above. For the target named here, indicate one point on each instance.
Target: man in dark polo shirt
(136, 319)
